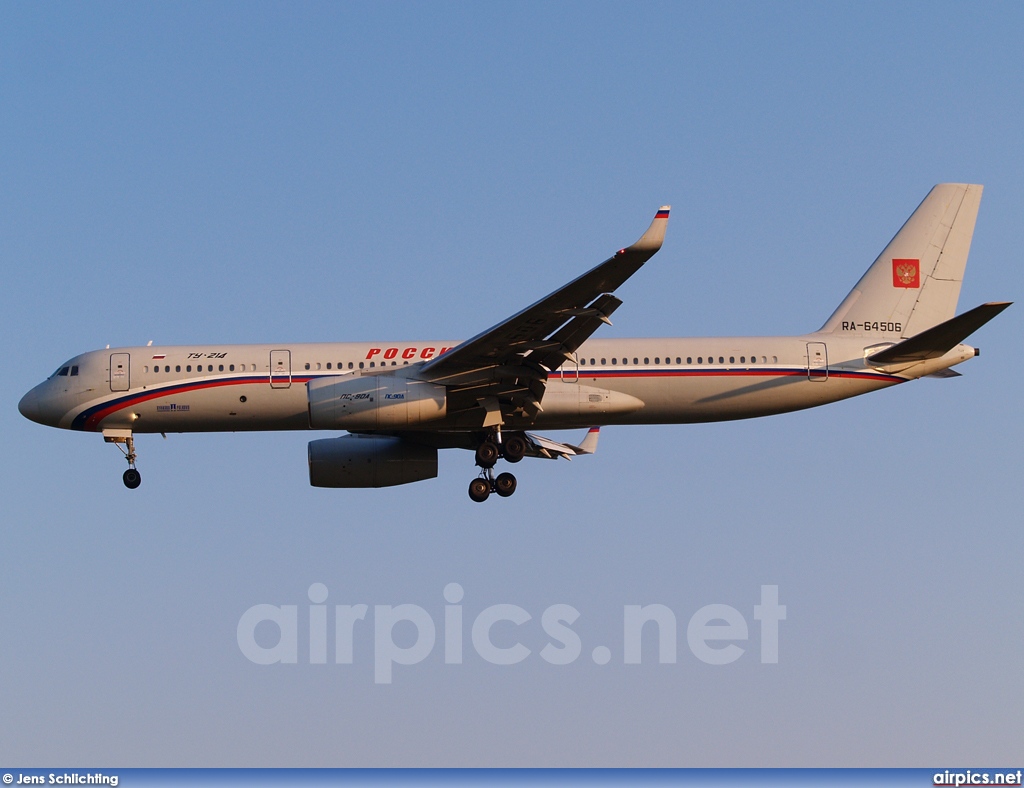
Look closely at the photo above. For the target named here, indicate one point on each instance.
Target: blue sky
(265, 172)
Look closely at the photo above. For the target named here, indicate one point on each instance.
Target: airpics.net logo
(271, 634)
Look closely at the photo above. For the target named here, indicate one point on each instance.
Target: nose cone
(29, 406)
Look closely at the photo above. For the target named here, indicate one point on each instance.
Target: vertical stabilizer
(915, 283)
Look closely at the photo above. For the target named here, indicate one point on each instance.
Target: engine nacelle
(374, 402)
(369, 461)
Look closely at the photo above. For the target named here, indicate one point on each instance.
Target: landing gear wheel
(125, 443)
(515, 448)
(132, 478)
(487, 454)
(479, 489)
(505, 484)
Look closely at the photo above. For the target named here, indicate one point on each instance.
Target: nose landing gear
(126, 443)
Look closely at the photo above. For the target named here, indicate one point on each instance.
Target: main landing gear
(488, 453)
(126, 443)
(483, 485)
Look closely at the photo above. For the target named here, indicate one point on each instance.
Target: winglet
(589, 445)
(652, 240)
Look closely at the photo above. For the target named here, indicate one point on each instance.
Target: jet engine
(373, 402)
(369, 461)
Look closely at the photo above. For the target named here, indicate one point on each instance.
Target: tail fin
(915, 283)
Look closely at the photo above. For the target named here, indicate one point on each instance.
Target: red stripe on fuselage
(131, 400)
(185, 388)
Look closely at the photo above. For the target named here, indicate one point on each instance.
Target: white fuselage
(210, 388)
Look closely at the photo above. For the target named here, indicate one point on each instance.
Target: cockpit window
(74, 370)
(63, 371)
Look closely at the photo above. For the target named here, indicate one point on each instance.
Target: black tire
(479, 489)
(131, 478)
(487, 454)
(515, 448)
(505, 484)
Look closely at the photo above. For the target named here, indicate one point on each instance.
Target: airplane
(401, 402)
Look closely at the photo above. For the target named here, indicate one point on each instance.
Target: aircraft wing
(514, 357)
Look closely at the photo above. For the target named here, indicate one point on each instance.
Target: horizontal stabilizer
(945, 373)
(939, 340)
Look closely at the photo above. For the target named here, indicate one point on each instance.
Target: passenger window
(145, 369)
(732, 359)
(591, 362)
(307, 365)
(188, 368)
(177, 367)
(721, 360)
(615, 361)
(700, 359)
(371, 364)
(603, 362)
(647, 361)
(775, 359)
(231, 368)
(210, 368)
(680, 361)
(360, 364)
(658, 360)
(350, 365)
(328, 364)
(689, 359)
(635, 362)
(743, 359)
(220, 368)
